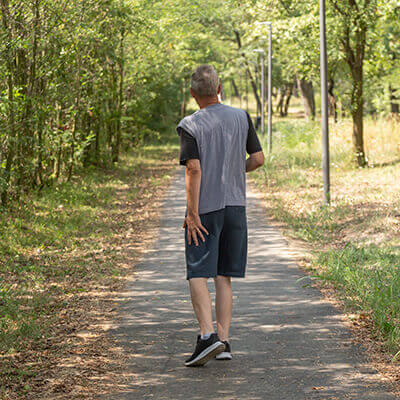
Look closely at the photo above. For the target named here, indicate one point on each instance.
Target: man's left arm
(253, 148)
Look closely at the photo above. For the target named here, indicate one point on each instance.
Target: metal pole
(270, 89)
(262, 95)
(240, 91)
(324, 105)
(247, 91)
(257, 79)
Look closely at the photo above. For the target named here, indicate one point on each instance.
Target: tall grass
(355, 242)
(369, 280)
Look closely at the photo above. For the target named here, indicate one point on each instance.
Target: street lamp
(269, 88)
(324, 104)
(269, 83)
(247, 90)
(262, 54)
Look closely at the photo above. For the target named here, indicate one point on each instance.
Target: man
(214, 141)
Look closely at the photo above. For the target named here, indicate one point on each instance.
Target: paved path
(286, 340)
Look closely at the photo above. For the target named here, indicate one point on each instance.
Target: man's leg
(201, 302)
(223, 305)
(209, 346)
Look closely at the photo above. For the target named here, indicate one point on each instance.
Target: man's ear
(219, 89)
(192, 93)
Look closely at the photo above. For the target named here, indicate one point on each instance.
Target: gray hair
(205, 81)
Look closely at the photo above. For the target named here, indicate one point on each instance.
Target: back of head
(205, 81)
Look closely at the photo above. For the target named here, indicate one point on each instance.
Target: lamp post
(269, 87)
(324, 104)
(269, 84)
(262, 54)
(247, 91)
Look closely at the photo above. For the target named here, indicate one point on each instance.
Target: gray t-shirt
(221, 135)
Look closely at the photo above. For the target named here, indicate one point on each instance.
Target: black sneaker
(206, 349)
(226, 354)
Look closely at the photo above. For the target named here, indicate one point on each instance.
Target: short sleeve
(253, 144)
(188, 147)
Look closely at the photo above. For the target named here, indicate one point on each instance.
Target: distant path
(286, 340)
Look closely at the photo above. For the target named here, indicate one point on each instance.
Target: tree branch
(237, 36)
(347, 47)
(354, 4)
(286, 7)
(338, 9)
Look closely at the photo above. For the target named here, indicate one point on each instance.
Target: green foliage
(60, 79)
(107, 71)
(369, 279)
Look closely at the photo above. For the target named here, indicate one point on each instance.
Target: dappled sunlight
(286, 340)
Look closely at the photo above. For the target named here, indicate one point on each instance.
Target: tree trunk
(97, 142)
(254, 87)
(249, 74)
(394, 102)
(60, 142)
(343, 111)
(307, 94)
(357, 114)
(235, 88)
(32, 75)
(332, 100)
(183, 104)
(117, 146)
(287, 102)
(39, 167)
(86, 130)
(279, 107)
(284, 94)
(355, 31)
(76, 117)
(10, 89)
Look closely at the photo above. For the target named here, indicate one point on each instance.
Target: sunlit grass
(51, 242)
(369, 280)
(356, 240)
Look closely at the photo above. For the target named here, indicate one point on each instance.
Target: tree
(61, 64)
(355, 18)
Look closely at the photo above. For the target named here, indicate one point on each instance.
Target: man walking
(214, 141)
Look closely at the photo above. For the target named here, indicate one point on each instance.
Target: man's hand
(194, 228)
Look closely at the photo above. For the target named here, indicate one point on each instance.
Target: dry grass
(353, 245)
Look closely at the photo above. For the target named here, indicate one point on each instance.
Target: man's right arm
(189, 156)
(253, 148)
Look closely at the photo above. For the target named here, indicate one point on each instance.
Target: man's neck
(208, 101)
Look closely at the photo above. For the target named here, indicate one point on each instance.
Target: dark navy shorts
(224, 251)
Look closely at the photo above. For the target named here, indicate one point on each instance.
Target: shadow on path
(287, 342)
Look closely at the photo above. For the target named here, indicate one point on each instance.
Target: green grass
(32, 233)
(51, 242)
(369, 280)
(355, 242)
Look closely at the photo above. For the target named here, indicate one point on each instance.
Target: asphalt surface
(287, 341)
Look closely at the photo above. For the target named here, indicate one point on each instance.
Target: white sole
(224, 356)
(207, 354)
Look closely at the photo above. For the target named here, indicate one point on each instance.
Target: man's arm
(192, 220)
(189, 156)
(254, 161)
(253, 148)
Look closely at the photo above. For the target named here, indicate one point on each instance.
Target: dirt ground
(78, 360)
